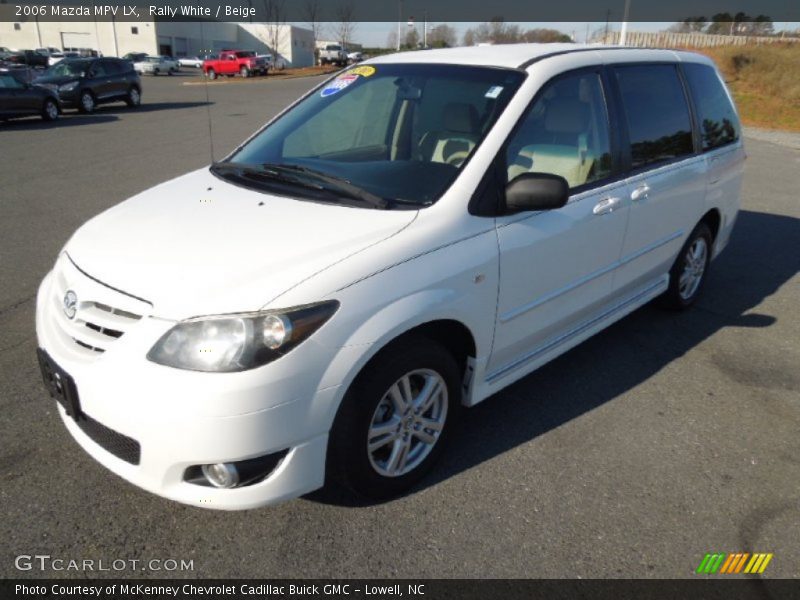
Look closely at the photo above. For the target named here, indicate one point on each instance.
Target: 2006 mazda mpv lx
(408, 238)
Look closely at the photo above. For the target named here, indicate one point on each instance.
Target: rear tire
(395, 419)
(87, 102)
(688, 273)
(244, 72)
(50, 110)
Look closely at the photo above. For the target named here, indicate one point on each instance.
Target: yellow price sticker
(364, 71)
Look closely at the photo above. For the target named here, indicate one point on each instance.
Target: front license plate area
(60, 385)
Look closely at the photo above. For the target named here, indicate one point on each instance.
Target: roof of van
(518, 55)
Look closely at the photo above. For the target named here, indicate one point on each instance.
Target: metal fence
(690, 40)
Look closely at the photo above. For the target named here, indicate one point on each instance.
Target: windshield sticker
(494, 91)
(338, 84)
(364, 71)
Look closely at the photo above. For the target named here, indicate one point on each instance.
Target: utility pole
(623, 32)
(399, 20)
(38, 34)
(605, 35)
(114, 31)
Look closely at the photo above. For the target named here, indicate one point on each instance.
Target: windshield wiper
(340, 183)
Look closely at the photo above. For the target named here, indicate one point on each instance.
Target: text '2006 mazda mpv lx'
(408, 238)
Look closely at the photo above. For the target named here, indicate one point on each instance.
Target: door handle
(640, 193)
(606, 206)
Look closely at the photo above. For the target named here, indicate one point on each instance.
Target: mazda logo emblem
(70, 304)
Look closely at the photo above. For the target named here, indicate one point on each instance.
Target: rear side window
(112, 67)
(659, 124)
(718, 122)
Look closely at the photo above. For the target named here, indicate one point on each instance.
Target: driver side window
(564, 133)
(98, 70)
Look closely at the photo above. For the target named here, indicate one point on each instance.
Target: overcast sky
(375, 34)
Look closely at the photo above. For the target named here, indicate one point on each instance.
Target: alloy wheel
(694, 267)
(407, 423)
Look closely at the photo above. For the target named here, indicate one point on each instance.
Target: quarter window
(719, 124)
(659, 124)
(564, 133)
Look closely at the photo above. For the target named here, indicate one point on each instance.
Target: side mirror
(536, 191)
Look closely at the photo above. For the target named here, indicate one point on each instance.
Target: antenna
(208, 102)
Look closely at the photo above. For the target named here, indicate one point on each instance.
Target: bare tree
(345, 25)
(442, 36)
(411, 41)
(495, 31)
(312, 12)
(469, 37)
(275, 15)
(689, 25)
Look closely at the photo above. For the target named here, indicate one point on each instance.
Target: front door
(556, 266)
(101, 82)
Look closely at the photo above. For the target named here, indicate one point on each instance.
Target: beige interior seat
(454, 143)
(563, 148)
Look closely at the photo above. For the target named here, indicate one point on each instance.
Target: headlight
(238, 342)
(68, 87)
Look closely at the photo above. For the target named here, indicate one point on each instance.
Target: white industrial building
(117, 38)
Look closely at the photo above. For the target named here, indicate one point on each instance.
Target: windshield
(400, 132)
(68, 68)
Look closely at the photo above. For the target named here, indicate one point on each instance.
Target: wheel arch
(454, 334)
(713, 219)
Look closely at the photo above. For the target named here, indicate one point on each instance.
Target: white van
(407, 239)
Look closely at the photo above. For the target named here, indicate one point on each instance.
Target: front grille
(96, 324)
(119, 445)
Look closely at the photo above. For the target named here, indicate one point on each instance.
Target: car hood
(199, 246)
(55, 80)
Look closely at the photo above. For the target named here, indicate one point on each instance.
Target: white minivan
(407, 239)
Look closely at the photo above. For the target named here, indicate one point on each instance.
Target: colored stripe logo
(733, 563)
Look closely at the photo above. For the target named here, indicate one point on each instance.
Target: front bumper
(69, 99)
(181, 418)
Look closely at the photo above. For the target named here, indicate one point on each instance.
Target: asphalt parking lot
(663, 438)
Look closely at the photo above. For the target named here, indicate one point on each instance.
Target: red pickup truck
(232, 62)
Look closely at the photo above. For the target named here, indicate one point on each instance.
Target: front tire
(396, 419)
(688, 273)
(50, 110)
(211, 74)
(134, 97)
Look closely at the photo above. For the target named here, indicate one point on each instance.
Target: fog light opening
(221, 475)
